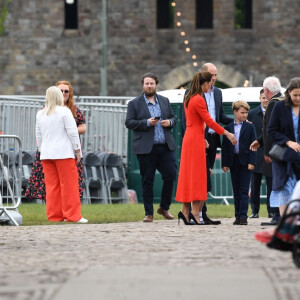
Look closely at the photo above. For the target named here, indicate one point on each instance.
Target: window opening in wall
(165, 14)
(71, 14)
(204, 14)
(243, 14)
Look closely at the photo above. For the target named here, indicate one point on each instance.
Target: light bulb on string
(183, 34)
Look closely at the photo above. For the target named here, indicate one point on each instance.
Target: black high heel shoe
(183, 218)
(192, 217)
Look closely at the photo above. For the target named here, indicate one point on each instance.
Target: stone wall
(36, 51)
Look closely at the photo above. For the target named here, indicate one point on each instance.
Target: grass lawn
(35, 214)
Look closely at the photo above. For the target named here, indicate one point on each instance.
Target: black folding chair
(94, 179)
(115, 178)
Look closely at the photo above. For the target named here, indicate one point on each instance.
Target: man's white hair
(272, 84)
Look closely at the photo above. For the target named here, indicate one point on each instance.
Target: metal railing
(10, 175)
(221, 183)
(105, 118)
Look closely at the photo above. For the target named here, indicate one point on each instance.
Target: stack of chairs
(95, 187)
(105, 178)
(115, 177)
(27, 163)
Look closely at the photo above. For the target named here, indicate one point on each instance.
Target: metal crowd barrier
(105, 118)
(221, 183)
(10, 175)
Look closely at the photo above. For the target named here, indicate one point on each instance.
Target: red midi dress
(192, 180)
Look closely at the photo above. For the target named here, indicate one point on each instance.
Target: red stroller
(286, 236)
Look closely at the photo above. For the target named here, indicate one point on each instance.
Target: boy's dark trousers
(240, 178)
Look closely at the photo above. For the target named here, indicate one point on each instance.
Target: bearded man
(151, 119)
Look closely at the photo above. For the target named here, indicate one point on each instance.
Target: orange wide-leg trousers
(62, 194)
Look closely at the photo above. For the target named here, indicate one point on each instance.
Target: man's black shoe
(272, 223)
(208, 221)
(243, 221)
(254, 216)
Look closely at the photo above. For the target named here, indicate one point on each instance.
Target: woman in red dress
(192, 181)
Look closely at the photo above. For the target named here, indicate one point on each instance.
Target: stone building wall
(36, 51)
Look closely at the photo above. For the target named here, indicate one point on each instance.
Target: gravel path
(44, 262)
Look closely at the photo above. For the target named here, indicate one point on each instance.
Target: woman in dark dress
(36, 183)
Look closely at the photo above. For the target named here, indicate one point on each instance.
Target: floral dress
(36, 183)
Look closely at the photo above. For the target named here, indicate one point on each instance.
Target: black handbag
(277, 152)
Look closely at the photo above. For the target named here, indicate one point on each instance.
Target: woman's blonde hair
(54, 97)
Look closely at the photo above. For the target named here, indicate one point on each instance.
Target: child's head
(262, 98)
(240, 110)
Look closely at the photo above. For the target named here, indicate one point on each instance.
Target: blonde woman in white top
(59, 144)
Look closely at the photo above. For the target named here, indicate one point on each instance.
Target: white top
(296, 193)
(57, 134)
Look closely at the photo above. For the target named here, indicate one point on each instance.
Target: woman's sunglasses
(65, 91)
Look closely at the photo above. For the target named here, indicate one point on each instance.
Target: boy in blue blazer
(239, 159)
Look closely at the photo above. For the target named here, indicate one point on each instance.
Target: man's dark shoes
(243, 221)
(272, 223)
(148, 219)
(237, 221)
(271, 215)
(165, 214)
(208, 221)
(254, 216)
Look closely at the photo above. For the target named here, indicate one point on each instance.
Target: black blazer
(142, 135)
(246, 156)
(281, 130)
(256, 117)
(264, 140)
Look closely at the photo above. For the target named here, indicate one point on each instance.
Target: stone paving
(37, 261)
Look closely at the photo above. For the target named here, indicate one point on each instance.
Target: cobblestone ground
(38, 260)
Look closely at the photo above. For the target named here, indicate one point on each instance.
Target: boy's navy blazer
(247, 136)
(281, 130)
(142, 135)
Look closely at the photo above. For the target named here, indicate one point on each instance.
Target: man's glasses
(65, 91)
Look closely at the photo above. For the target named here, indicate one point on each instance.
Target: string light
(183, 34)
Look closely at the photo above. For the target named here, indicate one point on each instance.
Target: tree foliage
(3, 13)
